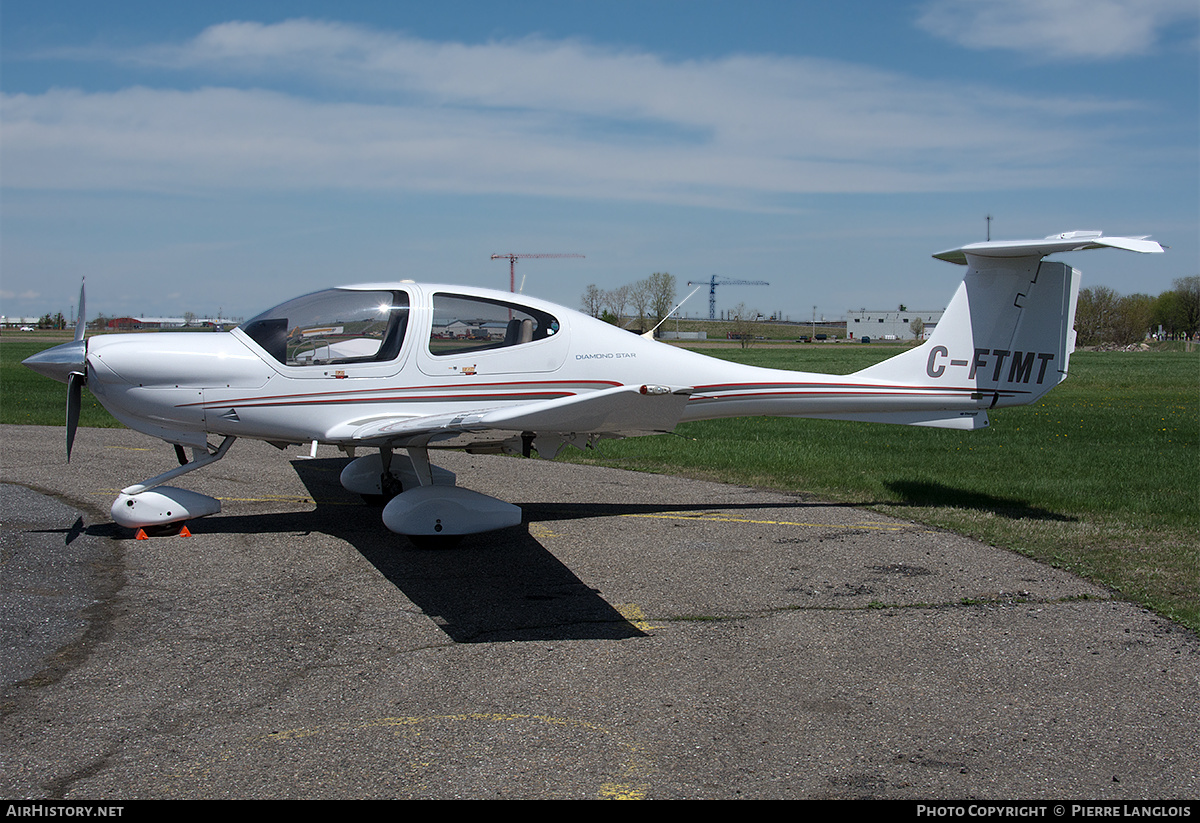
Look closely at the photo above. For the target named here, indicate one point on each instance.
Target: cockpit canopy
(341, 326)
(333, 326)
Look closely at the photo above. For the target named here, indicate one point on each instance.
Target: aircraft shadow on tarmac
(497, 586)
(920, 493)
(505, 585)
(492, 587)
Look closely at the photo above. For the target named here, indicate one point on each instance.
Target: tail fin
(1008, 333)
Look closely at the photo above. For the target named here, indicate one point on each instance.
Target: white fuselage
(182, 385)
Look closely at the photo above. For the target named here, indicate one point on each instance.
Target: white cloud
(1057, 29)
(29, 294)
(534, 117)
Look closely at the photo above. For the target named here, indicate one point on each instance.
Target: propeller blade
(75, 382)
(81, 321)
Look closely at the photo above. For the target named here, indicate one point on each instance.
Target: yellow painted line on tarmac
(539, 531)
(634, 614)
(721, 518)
(622, 791)
(628, 780)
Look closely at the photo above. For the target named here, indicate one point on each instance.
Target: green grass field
(1101, 477)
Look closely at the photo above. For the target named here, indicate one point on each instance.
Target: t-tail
(1007, 336)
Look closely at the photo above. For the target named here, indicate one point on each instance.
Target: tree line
(55, 322)
(650, 299)
(1102, 316)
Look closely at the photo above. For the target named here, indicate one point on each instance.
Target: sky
(221, 157)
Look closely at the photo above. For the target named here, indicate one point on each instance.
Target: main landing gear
(421, 501)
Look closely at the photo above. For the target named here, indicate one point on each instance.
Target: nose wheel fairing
(161, 506)
(149, 503)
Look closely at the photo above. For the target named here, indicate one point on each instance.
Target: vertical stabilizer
(1008, 333)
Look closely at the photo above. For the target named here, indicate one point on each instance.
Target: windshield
(333, 326)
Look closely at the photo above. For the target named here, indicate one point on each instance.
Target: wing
(623, 411)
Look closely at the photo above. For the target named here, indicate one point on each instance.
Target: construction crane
(712, 290)
(512, 265)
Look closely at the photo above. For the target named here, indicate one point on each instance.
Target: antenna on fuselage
(650, 334)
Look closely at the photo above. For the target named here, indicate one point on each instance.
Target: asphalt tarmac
(636, 637)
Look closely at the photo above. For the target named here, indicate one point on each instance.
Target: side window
(463, 324)
(333, 327)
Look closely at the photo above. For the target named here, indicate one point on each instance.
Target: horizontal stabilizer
(1067, 241)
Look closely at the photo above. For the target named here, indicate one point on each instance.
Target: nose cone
(59, 362)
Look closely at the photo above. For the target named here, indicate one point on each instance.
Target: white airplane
(402, 368)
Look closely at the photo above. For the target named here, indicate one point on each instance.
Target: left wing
(621, 411)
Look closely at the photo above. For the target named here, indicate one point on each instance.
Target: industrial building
(896, 324)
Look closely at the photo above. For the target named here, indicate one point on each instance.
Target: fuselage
(299, 373)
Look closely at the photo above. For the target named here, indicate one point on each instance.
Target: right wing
(622, 411)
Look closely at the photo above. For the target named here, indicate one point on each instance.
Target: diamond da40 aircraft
(398, 369)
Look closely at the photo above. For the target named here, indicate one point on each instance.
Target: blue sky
(222, 157)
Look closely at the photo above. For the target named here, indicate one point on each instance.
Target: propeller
(67, 364)
(80, 325)
(75, 382)
(77, 379)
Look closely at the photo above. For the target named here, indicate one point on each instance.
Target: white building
(896, 324)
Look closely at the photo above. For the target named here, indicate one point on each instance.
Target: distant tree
(1102, 316)
(1133, 319)
(1168, 314)
(1094, 315)
(662, 294)
(189, 317)
(917, 326)
(639, 299)
(592, 300)
(742, 324)
(615, 301)
(1187, 291)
